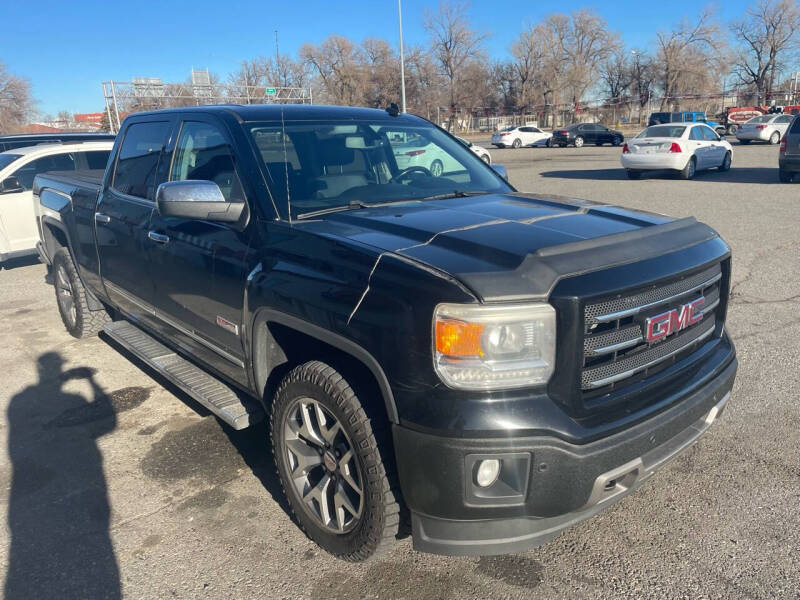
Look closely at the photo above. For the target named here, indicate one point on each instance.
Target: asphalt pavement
(113, 483)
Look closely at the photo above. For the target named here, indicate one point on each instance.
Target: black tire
(562, 145)
(549, 142)
(376, 529)
(617, 141)
(785, 176)
(690, 169)
(744, 142)
(579, 142)
(633, 174)
(71, 297)
(775, 138)
(732, 129)
(726, 162)
(516, 144)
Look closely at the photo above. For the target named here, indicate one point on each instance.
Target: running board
(216, 396)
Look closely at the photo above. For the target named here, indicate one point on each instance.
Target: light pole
(402, 58)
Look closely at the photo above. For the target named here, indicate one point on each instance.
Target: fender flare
(261, 368)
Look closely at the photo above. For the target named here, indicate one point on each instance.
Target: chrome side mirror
(195, 199)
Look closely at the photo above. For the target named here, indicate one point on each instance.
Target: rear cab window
(137, 164)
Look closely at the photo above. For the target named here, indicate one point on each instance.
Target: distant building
(93, 119)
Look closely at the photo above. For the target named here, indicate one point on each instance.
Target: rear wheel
(549, 142)
(485, 158)
(690, 169)
(775, 137)
(633, 174)
(726, 162)
(785, 176)
(516, 144)
(437, 168)
(579, 142)
(71, 297)
(328, 453)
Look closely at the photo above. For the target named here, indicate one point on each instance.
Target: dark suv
(789, 156)
(579, 134)
(22, 140)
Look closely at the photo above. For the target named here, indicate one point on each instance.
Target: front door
(199, 267)
(123, 214)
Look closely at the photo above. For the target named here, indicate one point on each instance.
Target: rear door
(699, 146)
(17, 214)
(199, 268)
(123, 215)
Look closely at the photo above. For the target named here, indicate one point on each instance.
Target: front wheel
(579, 142)
(689, 170)
(328, 454)
(726, 162)
(71, 297)
(437, 168)
(617, 141)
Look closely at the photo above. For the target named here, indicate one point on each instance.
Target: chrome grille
(614, 347)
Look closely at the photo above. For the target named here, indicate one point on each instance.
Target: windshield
(662, 131)
(7, 159)
(314, 166)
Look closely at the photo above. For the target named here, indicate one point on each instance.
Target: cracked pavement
(114, 483)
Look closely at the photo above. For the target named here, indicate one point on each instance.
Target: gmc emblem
(660, 326)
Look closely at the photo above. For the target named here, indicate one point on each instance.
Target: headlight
(494, 347)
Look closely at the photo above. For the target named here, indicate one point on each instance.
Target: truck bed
(88, 177)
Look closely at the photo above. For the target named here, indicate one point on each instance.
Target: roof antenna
(286, 166)
(393, 110)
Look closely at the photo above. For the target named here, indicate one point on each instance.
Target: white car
(19, 233)
(415, 151)
(516, 137)
(679, 147)
(765, 128)
(482, 152)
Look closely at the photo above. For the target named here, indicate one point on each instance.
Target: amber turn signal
(458, 338)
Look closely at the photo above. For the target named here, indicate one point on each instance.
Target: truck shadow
(58, 513)
(735, 175)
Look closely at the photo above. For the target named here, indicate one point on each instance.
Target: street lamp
(402, 59)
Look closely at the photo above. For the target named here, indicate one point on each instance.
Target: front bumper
(656, 161)
(549, 485)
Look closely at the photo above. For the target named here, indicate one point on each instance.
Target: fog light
(488, 470)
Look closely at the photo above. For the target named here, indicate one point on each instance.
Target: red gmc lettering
(660, 326)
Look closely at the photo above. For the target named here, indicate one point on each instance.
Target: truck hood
(513, 246)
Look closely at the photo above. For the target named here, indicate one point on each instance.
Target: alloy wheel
(66, 295)
(323, 466)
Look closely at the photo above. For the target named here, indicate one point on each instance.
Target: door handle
(158, 238)
(101, 218)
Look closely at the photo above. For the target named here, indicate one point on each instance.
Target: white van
(18, 231)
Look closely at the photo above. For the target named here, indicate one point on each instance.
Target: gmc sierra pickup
(428, 343)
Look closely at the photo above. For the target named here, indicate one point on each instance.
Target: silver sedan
(766, 128)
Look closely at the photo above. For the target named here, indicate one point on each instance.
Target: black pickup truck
(429, 344)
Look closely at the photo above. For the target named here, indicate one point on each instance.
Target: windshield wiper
(453, 194)
(332, 209)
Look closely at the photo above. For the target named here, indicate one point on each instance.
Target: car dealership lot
(115, 482)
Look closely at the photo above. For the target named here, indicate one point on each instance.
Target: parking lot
(114, 482)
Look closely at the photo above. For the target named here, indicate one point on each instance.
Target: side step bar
(237, 411)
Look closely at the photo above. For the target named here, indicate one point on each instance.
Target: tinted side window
(203, 153)
(795, 125)
(56, 162)
(97, 160)
(137, 163)
(696, 134)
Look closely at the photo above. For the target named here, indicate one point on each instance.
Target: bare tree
(453, 42)
(768, 35)
(685, 53)
(423, 82)
(16, 103)
(336, 62)
(617, 73)
(381, 67)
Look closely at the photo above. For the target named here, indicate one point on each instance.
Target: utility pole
(277, 54)
(402, 57)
